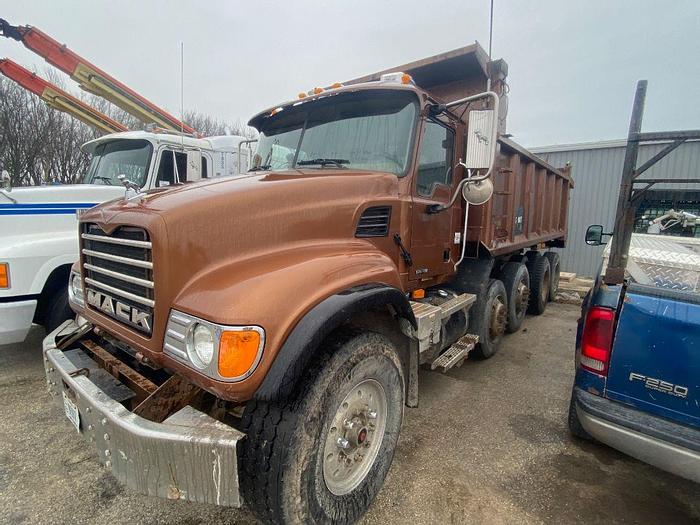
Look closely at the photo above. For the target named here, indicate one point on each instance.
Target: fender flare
(306, 337)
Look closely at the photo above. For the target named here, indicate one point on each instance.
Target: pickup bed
(638, 357)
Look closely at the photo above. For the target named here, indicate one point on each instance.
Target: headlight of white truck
(75, 289)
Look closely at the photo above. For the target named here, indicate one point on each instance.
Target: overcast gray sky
(573, 65)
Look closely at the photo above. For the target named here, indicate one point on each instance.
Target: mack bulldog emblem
(114, 308)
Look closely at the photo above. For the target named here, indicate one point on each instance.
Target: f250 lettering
(115, 308)
(659, 385)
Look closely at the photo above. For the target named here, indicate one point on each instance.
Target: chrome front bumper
(190, 456)
(666, 445)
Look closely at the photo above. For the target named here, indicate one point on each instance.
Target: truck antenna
(488, 79)
(182, 94)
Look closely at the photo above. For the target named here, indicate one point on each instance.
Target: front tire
(58, 310)
(322, 455)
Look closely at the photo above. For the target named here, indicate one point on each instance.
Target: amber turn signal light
(238, 351)
(4, 275)
(418, 294)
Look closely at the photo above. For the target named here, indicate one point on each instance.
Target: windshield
(117, 157)
(365, 130)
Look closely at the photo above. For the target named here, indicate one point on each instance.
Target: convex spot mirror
(594, 235)
(477, 192)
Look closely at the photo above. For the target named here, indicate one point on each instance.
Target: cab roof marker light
(397, 78)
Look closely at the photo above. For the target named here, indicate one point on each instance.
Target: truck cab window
(435, 161)
(166, 168)
(119, 157)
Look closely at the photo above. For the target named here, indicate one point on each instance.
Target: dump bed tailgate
(655, 362)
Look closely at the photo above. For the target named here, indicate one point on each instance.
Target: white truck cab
(38, 224)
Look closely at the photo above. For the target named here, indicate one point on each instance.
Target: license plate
(71, 412)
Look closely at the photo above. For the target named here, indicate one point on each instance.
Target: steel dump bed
(531, 198)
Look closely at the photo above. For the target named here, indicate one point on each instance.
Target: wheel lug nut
(343, 443)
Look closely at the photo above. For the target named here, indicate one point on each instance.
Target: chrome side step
(456, 354)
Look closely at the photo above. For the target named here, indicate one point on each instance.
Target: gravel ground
(488, 444)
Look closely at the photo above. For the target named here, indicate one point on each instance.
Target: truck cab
(266, 331)
(39, 224)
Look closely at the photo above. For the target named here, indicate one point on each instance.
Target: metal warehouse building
(597, 170)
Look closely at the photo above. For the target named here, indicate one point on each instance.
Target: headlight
(222, 352)
(75, 289)
(200, 345)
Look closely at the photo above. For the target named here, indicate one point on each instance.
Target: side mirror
(5, 181)
(594, 235)
(481, 147)
(477, 192)
(194, 166)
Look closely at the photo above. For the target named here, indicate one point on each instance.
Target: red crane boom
(91, 78)
(56, 98)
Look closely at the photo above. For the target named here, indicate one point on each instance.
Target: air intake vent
(374, 222)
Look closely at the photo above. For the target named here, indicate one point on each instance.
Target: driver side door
(434, 181)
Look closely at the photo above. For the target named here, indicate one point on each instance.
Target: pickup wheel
(490, 315)
(58, 310)
(516, 280)
(554, 271)
(322, 455)
(575, 426)
(539, 284)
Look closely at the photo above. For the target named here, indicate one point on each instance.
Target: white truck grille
(118, 274)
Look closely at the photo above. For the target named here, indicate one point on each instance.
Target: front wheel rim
(354, 437)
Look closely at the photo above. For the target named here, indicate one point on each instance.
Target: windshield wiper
(106, 179)
(262, 167)
(324, 162)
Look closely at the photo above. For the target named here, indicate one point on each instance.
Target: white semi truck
(38, 224)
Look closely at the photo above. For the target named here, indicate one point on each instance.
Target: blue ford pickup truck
(637, 379)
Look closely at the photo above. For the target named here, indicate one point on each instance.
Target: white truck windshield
(364, 130)
(119, 157)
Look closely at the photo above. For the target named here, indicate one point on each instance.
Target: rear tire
(575, 426)
(293, 466)
(490, 314)
(539, 285)
(58, 310)
(516, 280)
(554, 271)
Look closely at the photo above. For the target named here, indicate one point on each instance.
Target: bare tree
(40, 145)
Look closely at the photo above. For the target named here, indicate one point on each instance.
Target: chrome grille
(119, 267)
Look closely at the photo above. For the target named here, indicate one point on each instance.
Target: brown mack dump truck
(256, 338)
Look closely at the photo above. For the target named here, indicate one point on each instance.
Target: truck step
(456, 303)
(456, 354)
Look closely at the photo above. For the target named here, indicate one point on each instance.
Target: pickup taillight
(596, 343)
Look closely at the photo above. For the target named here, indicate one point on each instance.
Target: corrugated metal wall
(596, 172)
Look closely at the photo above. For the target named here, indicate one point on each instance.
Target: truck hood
(232, 225)
(237, 216)
(62, 196)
